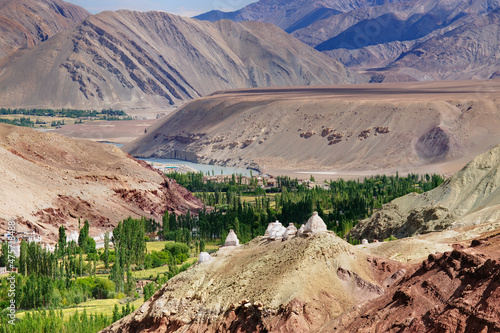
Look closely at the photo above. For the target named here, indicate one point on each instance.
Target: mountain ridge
(129, 59)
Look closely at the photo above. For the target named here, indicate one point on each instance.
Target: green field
(104, 306)
(146, 273)
(156, 246)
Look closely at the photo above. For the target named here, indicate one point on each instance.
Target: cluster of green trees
(53, 321)
(57, 123)
(194, 182)
(25, 122)
(126, 310)
(340, 203)
(129, 240)
(48, 279)
(173, 254)
(68, 276)
(67, 113)
(105, 114)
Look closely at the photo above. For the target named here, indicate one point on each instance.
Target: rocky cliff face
(25, 23)
(456, 291)
(470, 197)
(130, 60)
(48, 180)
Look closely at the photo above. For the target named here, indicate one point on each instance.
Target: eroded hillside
(25, 23)
(48, 180)
(470, 197)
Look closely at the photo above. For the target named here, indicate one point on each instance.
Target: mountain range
(392, 40)
(130, 60)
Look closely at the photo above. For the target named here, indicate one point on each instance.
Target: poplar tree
(62, 240)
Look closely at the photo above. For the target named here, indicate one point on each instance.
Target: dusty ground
(48, 180)
(113, 131)
(350, 131)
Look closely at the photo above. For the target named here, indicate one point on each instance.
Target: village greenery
(57, 117)
(248, 208)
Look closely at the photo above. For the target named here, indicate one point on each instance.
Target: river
(212, 169)
(216, 170)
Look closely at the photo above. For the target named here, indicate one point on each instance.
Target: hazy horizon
(185, 8)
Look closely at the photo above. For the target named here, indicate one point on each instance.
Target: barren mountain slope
(291, 15)
(338, 128)
(132, 60)
(297, 285)
(470, 51)
(25, 23)
(47, 180)
(435, 39)
(470, 197)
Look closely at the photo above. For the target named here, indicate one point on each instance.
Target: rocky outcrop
(265, 286)
(456, 291)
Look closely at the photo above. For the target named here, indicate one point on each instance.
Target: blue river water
(206, 168)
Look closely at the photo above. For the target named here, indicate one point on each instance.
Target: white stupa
(277, 231)
(314, 225)
(291, 232)
(300, 232)
(232, 239)
(268, 230)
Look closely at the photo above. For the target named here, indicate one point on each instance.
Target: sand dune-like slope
(378, 128)
(468, 198)
(251, 288)
(47, 180)
(25, 23)
(130, 60)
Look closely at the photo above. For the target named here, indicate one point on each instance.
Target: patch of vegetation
(43, 116)
(25, 122)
